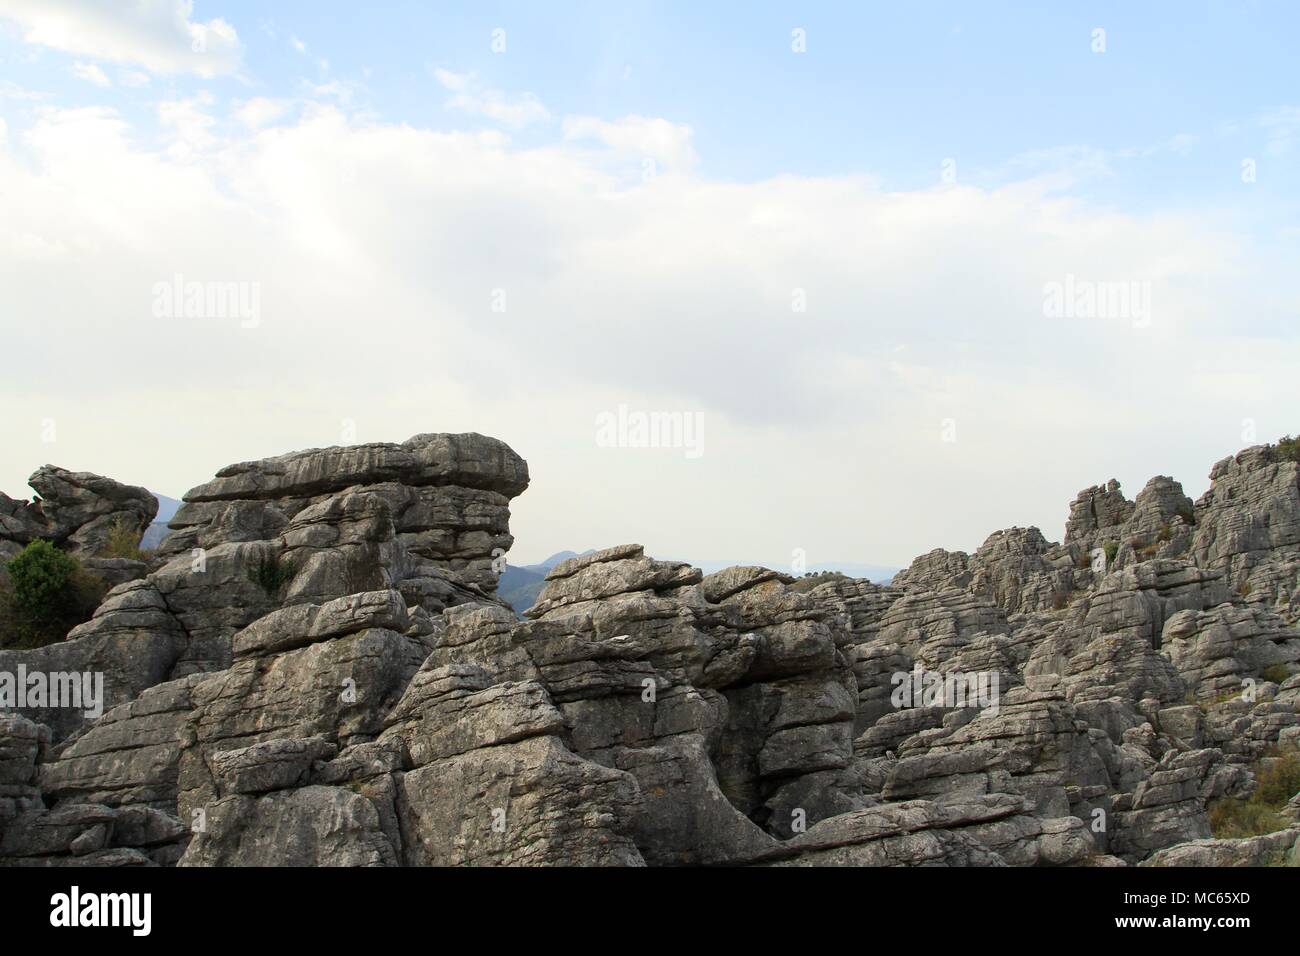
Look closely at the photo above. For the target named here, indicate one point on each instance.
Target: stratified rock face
(428, 517)
(76, 511)
(1095, 511)
(1217, 649)
(1248, 523)
(367, 701)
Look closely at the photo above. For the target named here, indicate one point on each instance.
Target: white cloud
(379, 250)
(10, 90)
(470, 96)
(157, 35)
(90, 73)
(1283, 128)
(133, 78)
(261, 111)
(669, 143)
(188, 123)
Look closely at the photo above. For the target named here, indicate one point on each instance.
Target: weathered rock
(272, 765)
(1215, 651)
(326, 678)
(76, 511)
(311, 826)
(532, 802)
(1094, 513)
(98, 668)
(1250, 517)
(130, 756)
(1266, 850)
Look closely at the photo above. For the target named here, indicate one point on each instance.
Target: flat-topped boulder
(75, 510)
(470, 460)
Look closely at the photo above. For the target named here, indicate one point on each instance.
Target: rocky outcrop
(1218, 650)
(1250, 517)
(1270, 849)
(428, 517)
(75, 510)
(1094, 512)
(317, 671)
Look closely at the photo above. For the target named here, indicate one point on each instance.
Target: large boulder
(76, 511)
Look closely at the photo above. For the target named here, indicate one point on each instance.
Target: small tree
(1288, 448)
(123, 541)
(47, 595)
(270, 575)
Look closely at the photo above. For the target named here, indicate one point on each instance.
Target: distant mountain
(153, 535)
(877, 573)
(559, 556)
(167, 508)
(521, 584)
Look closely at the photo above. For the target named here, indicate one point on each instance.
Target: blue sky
(891, 90)
(921, 174)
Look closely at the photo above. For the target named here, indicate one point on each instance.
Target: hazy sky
(909, 273)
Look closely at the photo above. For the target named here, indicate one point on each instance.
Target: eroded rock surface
(317, 672)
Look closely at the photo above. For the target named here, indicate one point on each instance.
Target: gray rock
(311, 826)
(76, 511)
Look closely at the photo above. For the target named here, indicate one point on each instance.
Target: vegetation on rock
(1277, 781)
(270, 575)
(46, 595)
(123, 541)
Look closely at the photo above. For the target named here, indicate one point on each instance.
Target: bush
(1287, 449)
(48, 594)
(815, 579)
(270, 575)
(1112, 549)
(1276, 673)
(1279, 781)
(1235, 819)
(123, 541)
(1276, 782)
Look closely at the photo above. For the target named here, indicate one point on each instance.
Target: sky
(892, 276)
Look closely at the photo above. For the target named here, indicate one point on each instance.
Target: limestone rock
(76, 511)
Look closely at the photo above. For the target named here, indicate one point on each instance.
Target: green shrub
(1112, 549)
(270, 575)
(1287, 449)
(48, 593)
(1276, 782)
(1233, 819)
(815, 579)
(123, 541)
(1275, 673)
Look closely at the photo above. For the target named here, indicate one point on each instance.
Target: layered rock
(76, 510)
(1249, 520)
(317, 672)
(428, 517)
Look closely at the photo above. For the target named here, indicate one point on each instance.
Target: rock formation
(315, 670)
